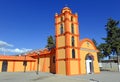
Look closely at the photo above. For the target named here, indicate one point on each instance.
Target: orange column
(34, 66)
(67, 52)
(77, 30)
(56, 61)
(56, 54)
(30, 65)
(79, 68)
(56, 35)
(67, 43)
(67, 62)
(44, 64)
(13, 66)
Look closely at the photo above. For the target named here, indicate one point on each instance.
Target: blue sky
(26, 24)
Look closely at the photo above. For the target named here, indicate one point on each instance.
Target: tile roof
(41, 52)
(19, 58)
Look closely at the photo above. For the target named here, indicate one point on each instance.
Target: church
(71, 55)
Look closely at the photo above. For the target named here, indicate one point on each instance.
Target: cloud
(16, 50)
(4, 48)
(5, 44)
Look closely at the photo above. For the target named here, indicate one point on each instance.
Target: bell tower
(67, 42)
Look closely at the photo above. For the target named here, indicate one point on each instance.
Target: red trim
(62, 14)
(65, 59)
(77, 35)
(68, 47)
(66, 19)
(76, 23)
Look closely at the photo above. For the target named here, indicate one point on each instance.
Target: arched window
(72, 28)
(61, 18)
(73, 53)
(72, 41)
(89, 57)
(61, 29)
(71, 18)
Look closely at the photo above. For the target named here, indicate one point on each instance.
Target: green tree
(112, 40)
(113, 37)
(95, 42)
(50, 42)
(103, 50)
(100, 48)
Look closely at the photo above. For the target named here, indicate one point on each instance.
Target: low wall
(109, 66)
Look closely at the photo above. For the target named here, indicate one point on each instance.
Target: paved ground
(47, 77)
(105, 76)
(32, 77)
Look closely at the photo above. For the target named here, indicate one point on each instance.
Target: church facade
(70, 56)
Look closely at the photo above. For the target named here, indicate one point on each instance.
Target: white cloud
(16, 50)
(4, 48)
(5, 44)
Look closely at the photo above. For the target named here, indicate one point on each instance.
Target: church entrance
(4, 66)
(89, 64)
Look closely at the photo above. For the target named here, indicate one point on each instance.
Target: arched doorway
(89, 64)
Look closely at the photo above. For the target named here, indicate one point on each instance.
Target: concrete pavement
(32, 77)
(48, 77)
(104, 76)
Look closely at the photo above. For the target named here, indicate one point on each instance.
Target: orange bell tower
(67, 42)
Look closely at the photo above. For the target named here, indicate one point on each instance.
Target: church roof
(16, 58)
(41, 52)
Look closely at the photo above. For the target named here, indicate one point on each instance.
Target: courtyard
(48, 77)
